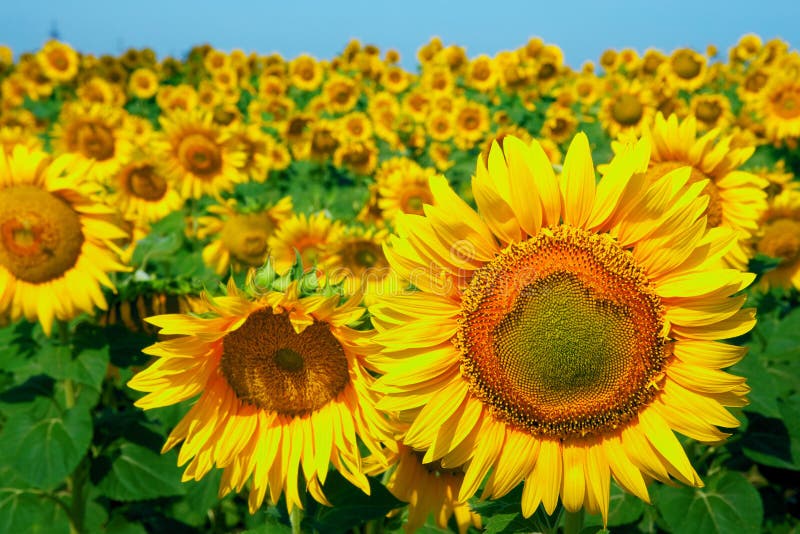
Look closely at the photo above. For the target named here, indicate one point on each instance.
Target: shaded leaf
(137, 473)
(351, 506)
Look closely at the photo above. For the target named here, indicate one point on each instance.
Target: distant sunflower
(780, 108)
(627, 108)
(340, 93)
(482, 74)
(305, 73)
(11, 136)
(142, 194)
(143, 83)
(780, 238)
(559, 125)
(58, 61)
(199, 157)
(737, 199)
(471, 124)
(310, 236)
(280, 387)
(55, 242)
(357, 259)
(405, 190)
(95, 134)
(360, 157)
(712, 110)
(685, 69)
(240, 238)
(564, 331)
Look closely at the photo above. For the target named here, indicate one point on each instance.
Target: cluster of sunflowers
(546, 318)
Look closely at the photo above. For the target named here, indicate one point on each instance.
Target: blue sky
(582, 29)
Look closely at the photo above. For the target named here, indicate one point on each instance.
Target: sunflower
(256, 146)
(429, 489)
(281, 390)
(559, 124)
(96, 135)
(471, 124)
(439, 126)
(360, 157)
(142, 194)
(305, 73)
(482, 74)
(354, 126)
(58, 61)
(357, 259)
(441, 155)
(199, 157)
(685, 69)
(11, 136)
(405, 190)
(308, 236)
(341, 93)
(96, 90)
(143, 83)
(561, 334)
(55, 242)
(712, 110)
(780, 108)
(780, 238)
(737, 199)
(240, 237)
(395, 79)
(627, 108)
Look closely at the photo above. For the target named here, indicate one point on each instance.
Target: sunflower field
(246, 293)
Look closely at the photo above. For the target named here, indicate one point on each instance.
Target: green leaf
(623, 508)
(504, 515)
(45, 451)
(727, 504)
(762, 396)
(775, 441)
(29, 513)
(351, 506)
(137, 473)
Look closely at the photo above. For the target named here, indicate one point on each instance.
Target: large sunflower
(282, 391)
(54, 240)
(199, 157)
(564, 331)
(737, 199)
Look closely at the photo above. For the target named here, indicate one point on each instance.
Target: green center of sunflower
(143, 182)
(627, 110)
(40, 234)
(200, 155)
(272, 367)
(560, 335)
(685, 64)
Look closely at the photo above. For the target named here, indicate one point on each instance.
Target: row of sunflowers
(497, 294)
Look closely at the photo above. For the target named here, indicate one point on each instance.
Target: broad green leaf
(351, 506)
(28, 513)
(44, 451)
(763, 395)
(504, 515)
(775, 441)
(728, 503)
(623, 508)
(137, 473)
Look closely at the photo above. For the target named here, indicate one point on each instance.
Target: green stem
(296, 518)
(69, 387)
(573, 521)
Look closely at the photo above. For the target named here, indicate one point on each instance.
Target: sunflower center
(245, 235)
(714, 211)
(269, 365)
(59, 60)
(786, 103)
(686, 65)
(708, 112)
(95, 141)
(627, 110)
(560, 335)
(40, 234)
(414, 203)
(200, 155)
(781, 239)
(143, 182)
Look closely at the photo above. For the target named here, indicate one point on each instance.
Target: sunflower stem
(573, 521)
(296, 518)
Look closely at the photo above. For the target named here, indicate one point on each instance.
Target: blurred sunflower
(58, 61)
(471, 124)
(282, 391)
(564, 331)
(305, 73)
(360, 157)
(240, 237)
(780, 238)
(711, 111)
(482, 74)
(559, 124)
(340, 93)
(684, 69)
(405, 190)
(626, 108)
(96, 135)
(143, 83)
(357, 259)
(142, 194)
(779, 107)
(55, 241)
(310, 236)
(736, 199)
(197, 156)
